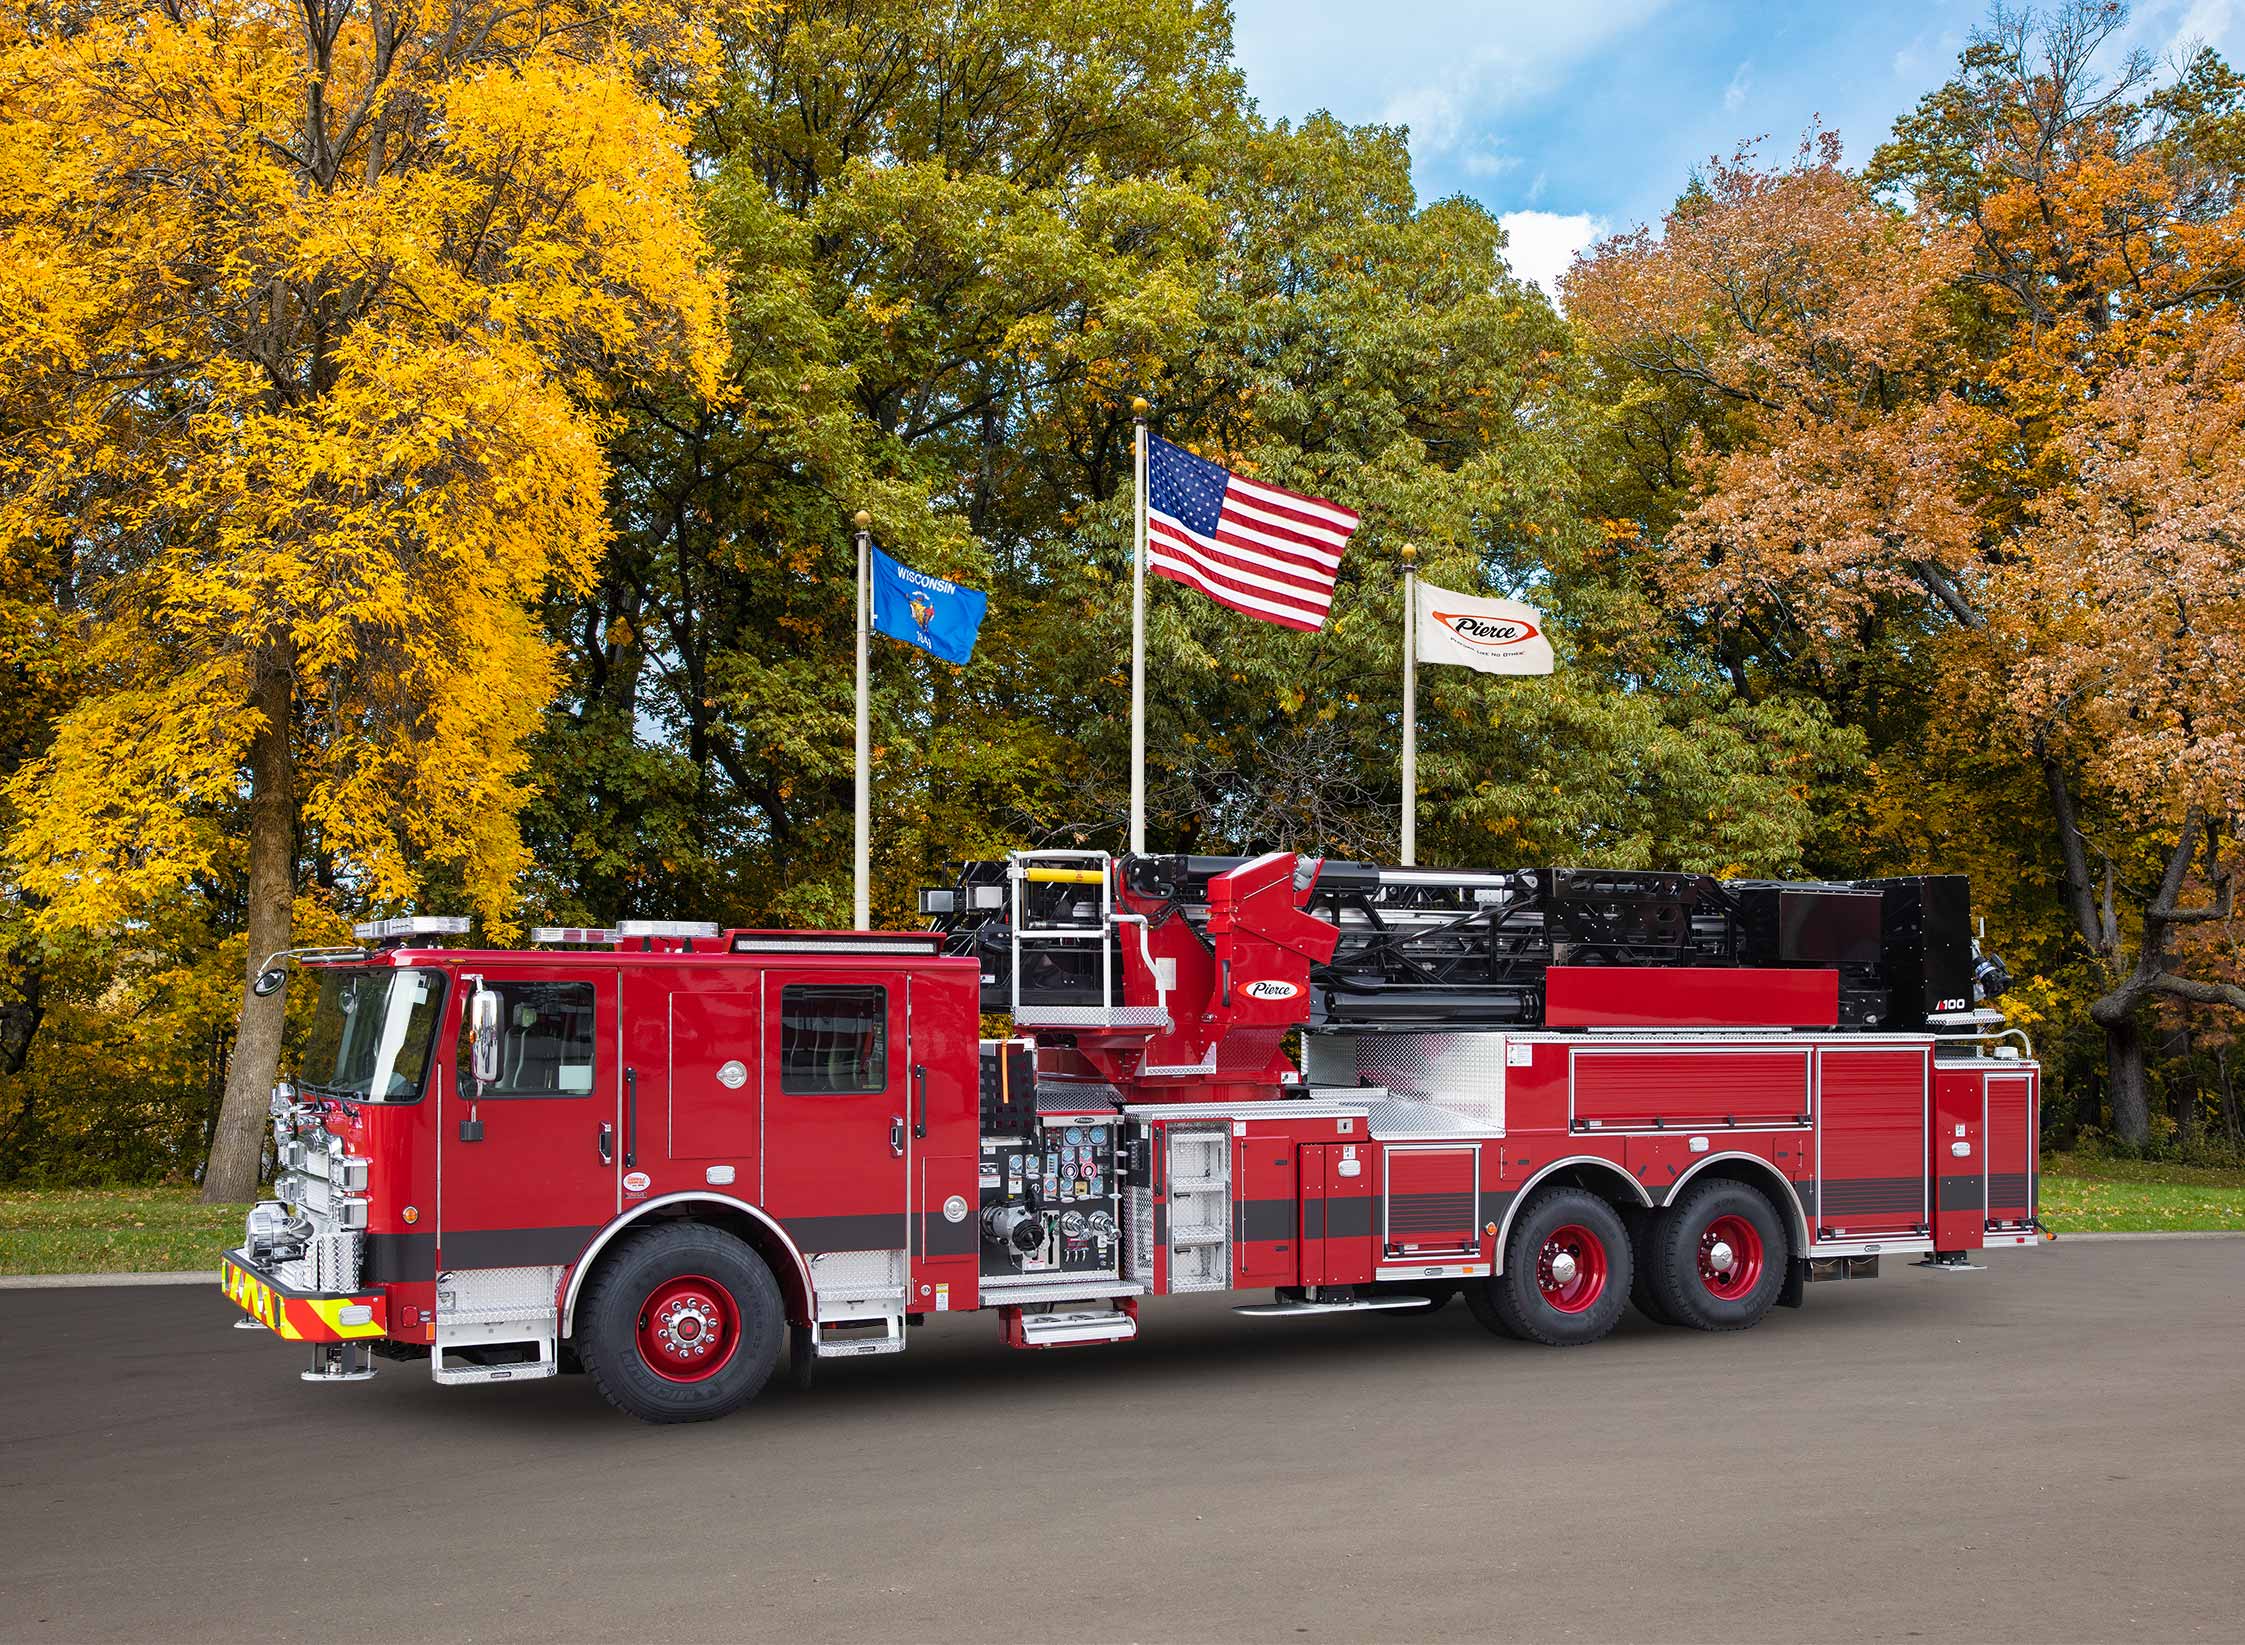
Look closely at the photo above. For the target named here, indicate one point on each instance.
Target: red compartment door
(1871, 1145)
(1633, 1089)
(2011, 1148)
(1960, 1163)
(1431, 1202)
(1349, 1181)
(1266, 1213)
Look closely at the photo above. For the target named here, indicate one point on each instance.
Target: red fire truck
(671, 1156)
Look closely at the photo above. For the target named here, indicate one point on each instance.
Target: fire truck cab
(673, 1157)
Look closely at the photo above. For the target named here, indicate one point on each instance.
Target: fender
(584, 1262)
(1791, 1200)
(1520, 1198)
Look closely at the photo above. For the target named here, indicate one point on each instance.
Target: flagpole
(1138, 410)
(1410, 708)
(861, 906)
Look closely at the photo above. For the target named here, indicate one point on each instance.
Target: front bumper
(300, 1316)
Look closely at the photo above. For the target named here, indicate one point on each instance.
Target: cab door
(839, 1108)
(527, 1169)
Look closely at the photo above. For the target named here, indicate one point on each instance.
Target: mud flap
(1795, 1288)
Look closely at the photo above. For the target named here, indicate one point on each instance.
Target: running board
(889, 1316)
(1354, 1305)
(529, 1370)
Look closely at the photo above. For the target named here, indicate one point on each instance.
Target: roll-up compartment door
(1871, 1142)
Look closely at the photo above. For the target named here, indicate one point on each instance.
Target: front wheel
(681, 1323)
(1566, 1271)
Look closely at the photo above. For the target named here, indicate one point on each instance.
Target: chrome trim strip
(1792, 1196)
(584, 1262)
(1520, 1196)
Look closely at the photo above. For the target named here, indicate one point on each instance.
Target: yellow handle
(1065, 876)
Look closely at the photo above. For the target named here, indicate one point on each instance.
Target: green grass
(113, 1230)
(2092, 1194)
(150, 1230)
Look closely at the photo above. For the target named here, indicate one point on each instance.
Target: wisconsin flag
(1494, 636)
(939, 616)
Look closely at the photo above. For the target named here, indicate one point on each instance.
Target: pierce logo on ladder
(1267, 988)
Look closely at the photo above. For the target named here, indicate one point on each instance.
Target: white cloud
(1540, 244)
(2203, 21)
(1734, 94)
(1445, 68)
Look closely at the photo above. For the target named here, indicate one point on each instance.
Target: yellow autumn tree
(308, 314)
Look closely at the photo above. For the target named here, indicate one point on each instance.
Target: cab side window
(834, 1041)
(547, 1031)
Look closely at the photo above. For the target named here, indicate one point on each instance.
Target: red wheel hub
(1571, 1268)
(688, 1328)
(1730, 1257)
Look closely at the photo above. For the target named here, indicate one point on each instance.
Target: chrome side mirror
(483, 1035)
(269, 982)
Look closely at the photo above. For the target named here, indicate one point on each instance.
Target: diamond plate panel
(1200, 1217)
(1464, 1072)
(1247, 1050)
(1329, 1059)
(1138, 1241)
(1091, 1016)
(470, 1295)
(857, 1270)
(1414, 1117)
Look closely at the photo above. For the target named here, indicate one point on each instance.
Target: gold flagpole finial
(863, 520)
(1410, 553)
(1139, 407)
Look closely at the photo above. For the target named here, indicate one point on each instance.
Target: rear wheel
(1717, 1257)
(1566, 1272)
(680, 1324)
(1641, 1292)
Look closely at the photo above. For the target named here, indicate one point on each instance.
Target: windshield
(371, 1034)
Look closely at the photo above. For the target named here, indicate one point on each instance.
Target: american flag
(1270, 553)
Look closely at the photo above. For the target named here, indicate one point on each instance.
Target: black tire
(1478, 1300)
(1699, 1295)
(635, 1275)
(1574, 1303)
(1641, 1230)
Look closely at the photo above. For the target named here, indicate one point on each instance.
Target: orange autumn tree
(1922, 424)
(2126, 621)
(310, 314)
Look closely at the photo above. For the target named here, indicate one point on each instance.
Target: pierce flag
(1494, 636)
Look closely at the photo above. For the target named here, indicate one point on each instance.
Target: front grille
(311, 1233)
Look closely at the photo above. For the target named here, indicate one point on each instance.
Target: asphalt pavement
(2050, 1450)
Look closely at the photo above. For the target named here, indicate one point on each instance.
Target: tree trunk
(2124, 1075)
(237, 1147)
(2229, 1096)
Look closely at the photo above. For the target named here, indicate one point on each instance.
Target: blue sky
(1574, 118)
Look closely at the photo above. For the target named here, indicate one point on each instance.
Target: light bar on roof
(629, 929)
(837, 942)
(411, 925)
(578, 936)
